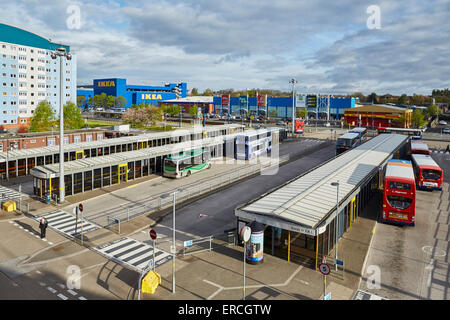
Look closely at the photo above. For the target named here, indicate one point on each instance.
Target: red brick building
(378, 116)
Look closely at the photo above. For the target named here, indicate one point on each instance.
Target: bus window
(399, 202)
(430, 174)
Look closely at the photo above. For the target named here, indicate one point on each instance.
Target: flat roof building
(28, 75)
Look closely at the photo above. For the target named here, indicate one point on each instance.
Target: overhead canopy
(304, 203)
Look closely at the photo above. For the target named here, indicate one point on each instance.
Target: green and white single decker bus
(186, 163)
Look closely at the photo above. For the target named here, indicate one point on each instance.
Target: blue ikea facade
(283, 106)
(135, 94)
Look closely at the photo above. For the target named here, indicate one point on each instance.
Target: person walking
(43, 226)
(448, 149)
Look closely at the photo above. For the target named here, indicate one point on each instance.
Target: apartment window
(66, 140)
(51, 141)
(76, 139)
(89, 138)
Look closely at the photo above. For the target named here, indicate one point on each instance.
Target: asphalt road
(214, 214)
(412, 262)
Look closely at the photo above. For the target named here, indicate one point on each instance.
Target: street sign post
(324, 269)
(153, 236)
(80, 207)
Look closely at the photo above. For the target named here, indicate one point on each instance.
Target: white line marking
(82, 298)
(61, 285)
(51, 289)
(43, 239)
(10, 221)
(42, 284)
(72, 292)
(62, 296)
(37, 271)
(50, 243)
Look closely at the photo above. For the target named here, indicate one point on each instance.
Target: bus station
(20, 162)
(92, 173)
(311, 212)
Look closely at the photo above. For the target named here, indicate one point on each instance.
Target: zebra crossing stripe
(10, 194)
(67, 223)
(131, 252)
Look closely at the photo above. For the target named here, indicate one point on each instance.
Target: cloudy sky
(328, 46)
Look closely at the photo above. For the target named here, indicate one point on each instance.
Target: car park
(446, 130)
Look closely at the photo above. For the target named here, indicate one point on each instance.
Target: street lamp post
(293, 81)
(336, 184)
(173, 234)
(61, 52)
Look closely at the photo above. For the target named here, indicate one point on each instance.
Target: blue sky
(325, 45)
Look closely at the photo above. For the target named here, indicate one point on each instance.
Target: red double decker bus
(299, 126)
(429, 176)
(399, 194)
(419, 148)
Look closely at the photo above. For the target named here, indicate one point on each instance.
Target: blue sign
(339, 262)
(116, 220)
(328, 296)
(188, 243)
(243, 102)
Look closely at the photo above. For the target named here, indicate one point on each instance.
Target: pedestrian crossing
(132, 253)
(363, 295)
(67, 223)
(10, 194)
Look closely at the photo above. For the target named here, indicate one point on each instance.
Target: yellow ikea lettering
(148, 96)
(106, 84)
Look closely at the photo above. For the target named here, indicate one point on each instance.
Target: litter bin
(47, 198)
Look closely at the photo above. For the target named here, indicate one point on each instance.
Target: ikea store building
(135, 94)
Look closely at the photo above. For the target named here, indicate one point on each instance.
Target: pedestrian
(448, 148)
(43, 226)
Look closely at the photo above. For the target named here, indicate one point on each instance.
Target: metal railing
(157, 203)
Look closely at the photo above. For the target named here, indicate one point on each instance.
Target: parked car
(281, 123)
(423, 128)
(443, 122)
(446, 130)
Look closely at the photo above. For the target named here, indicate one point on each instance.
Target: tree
(119, 102)
(372, 98)
(402, 99)
(418, 119)
(433, 110)
(81, 101)
(142, 115)
(194, 92)
(208, 92)
(273, 113)
(170, 109)
(301, 112)
(193, 111)
(417, 100)
(72, 117)
(43, 118)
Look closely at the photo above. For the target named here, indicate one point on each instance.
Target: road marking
(42, 284)
(61, 285)
(62, 296)
(51, 290)
(72, 292)
(82, 298)
(10, 221)
(67, 223)
(132, 186)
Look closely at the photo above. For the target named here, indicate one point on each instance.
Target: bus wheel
(188, 173)
(209, 166)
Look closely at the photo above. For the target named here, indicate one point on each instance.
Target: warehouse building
(378, 116)
(134, 94)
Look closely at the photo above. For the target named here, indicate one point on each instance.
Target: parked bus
(417, 147)
(186, 163)
(253, 143)
(361, 131)
(399, 194)
(416, 134)
(347, 141)
(299, 126)
(429, 176)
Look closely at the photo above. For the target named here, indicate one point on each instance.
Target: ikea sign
(151, 96)
(106, 84)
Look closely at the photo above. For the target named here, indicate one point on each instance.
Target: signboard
(324, 269)
(243, 102)
(328, 296)
(152, 234)
(226, 100)
(245, 233)
(311, 101)
(188, 243)
(80, 207)
(261, 100)
(300, 102)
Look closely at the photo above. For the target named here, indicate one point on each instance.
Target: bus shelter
(92, 173)
(19, 162)
(304, 216)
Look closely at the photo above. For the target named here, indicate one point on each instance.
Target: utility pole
(293, 81)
